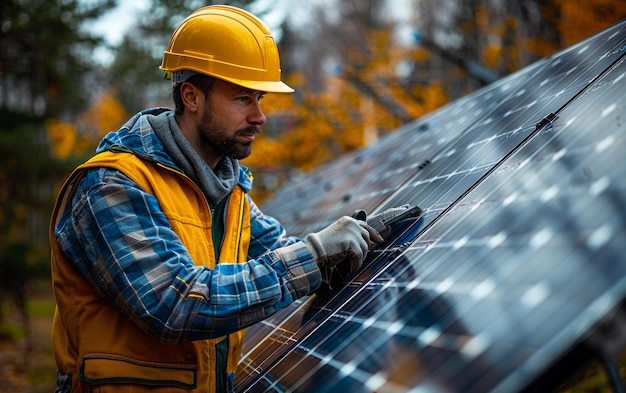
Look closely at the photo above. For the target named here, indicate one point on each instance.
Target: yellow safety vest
(102, 348)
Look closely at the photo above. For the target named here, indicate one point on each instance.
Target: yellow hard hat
(228, 43)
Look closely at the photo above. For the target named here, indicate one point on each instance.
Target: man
(160, 259)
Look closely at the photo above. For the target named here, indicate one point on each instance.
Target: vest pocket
(98, 369)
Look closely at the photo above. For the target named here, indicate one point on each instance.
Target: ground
(23, 369)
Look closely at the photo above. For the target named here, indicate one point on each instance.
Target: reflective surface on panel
(520, 251)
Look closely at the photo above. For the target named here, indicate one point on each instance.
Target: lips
(249, 133)
(248, 137)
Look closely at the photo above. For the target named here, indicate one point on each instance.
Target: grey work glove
(377, 221)
(346, 239)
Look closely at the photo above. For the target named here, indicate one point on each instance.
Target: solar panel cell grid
(520, 252)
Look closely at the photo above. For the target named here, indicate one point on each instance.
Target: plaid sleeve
(119, 239)
(266, 233)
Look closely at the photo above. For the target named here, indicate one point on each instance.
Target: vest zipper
(240, 227)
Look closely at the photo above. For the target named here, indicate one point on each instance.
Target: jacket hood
(137, 136)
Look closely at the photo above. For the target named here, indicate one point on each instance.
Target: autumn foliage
(79, 138)
(365, 96)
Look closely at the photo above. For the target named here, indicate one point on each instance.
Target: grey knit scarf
(215, 184)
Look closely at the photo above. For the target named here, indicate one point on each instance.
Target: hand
(345, 239)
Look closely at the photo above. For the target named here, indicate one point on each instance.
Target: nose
(256, 115)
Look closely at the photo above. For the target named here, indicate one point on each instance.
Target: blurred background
(71, 71)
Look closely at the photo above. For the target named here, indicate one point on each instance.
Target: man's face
(232, 118)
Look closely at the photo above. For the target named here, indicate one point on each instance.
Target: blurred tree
(356, 79)
(344, 64)
(45, 55)
(580, 19)
(77, 139)
(505, 35)
(45, 60)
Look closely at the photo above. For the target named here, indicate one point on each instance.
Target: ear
(192, 97)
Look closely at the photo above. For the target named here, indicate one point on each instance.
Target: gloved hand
(345, 239)
(378, 221)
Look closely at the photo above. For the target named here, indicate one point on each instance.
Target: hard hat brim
(267, 86)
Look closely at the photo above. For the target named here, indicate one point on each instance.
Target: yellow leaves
(434, 97)
(63, 137)
(106, 114)
(267, 153)
(276, 103)
(575, 21)
(582, 19)
(540, 46)
(351, 110)
(420, 55)
(314, 128)
(309, 144)
(81, 137)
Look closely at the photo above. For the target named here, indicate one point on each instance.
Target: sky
(114, 24)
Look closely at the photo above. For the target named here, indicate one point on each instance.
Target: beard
(215, 139)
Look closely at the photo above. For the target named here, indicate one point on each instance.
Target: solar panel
(519, 254)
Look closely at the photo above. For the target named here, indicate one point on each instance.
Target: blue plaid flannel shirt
(116, 235)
